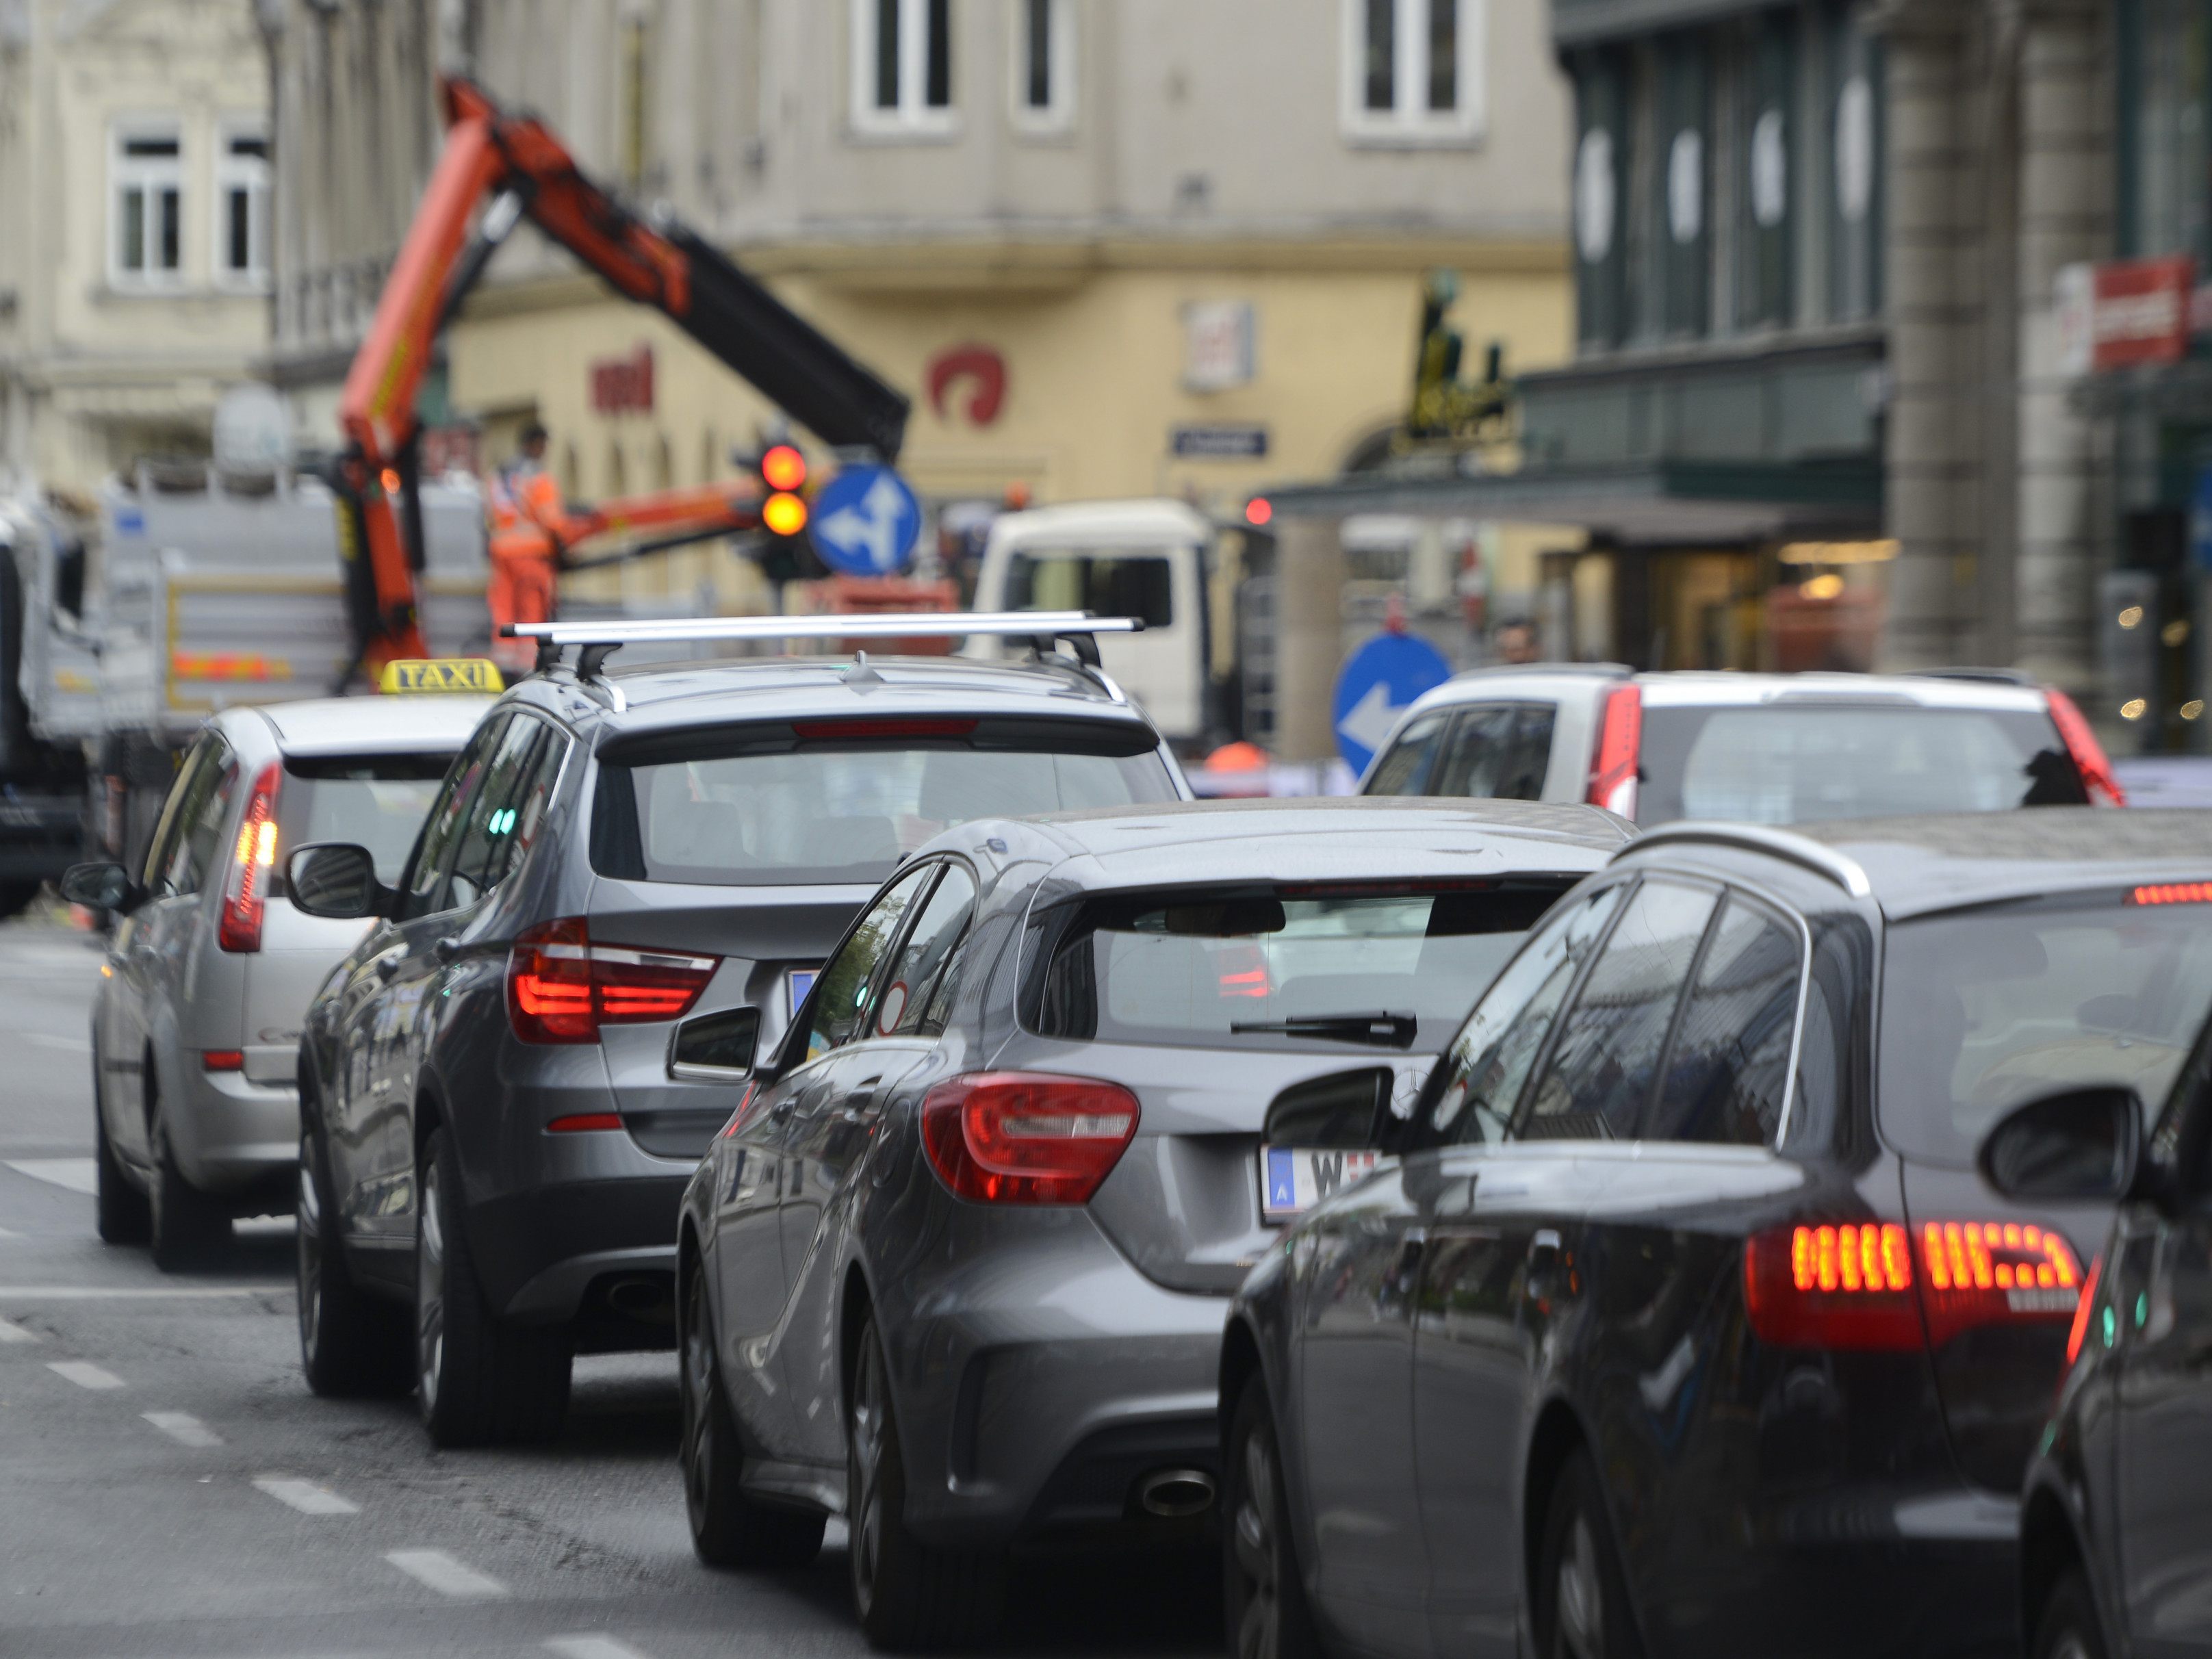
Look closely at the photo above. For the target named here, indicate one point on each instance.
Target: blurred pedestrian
(1515, 641)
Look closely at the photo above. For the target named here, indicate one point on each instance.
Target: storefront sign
(1218, 345)
(2124, 311)
(979, 364)
(1219, 443)
(623, 385)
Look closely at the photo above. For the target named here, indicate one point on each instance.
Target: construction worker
(530, 533)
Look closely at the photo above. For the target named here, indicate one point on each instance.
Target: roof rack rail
(1846, 872)
(599, 640)
(1989, 676)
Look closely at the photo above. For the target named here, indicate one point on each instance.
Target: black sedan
(1682, 1323)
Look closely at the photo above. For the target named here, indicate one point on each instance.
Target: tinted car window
(161, 847)
(1498, 750)
(1728, 1073)
(1601, 1072)
(1982, 1012)
(1802, 763)
(1108, 584)
(1405, 765)
(495, 816)
(1483, 1071)
(910, 984)
(837, 1007)
(376, 801)
(434, 853)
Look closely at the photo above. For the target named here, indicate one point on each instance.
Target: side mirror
(2080, 1144)
(1347, 1110)
(336, 881)
(100, 886)
(715, 1047)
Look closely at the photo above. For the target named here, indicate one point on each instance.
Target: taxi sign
(441, 674)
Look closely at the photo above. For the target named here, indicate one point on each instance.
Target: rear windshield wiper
(1376, 1030)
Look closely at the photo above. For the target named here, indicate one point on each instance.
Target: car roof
(660, 696)
(1913, 866)
(1699, 688)
(371, 725)
(1331, 839)
(1102, 524)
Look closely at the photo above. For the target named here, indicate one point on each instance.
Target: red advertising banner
(623, 385)
(2141, 311)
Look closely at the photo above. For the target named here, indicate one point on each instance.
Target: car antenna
(861, 672)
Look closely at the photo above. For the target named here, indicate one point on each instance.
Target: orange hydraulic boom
(518, 165)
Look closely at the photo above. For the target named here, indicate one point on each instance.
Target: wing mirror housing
(715, 1047)
(2083, 1145)
(1348, 1111)
(336, 881)
(100, 887)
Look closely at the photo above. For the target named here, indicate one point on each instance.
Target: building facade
(133, 265)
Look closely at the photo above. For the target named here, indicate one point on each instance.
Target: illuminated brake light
(223, 1059)
(561, 988)
(2083, 748)
(253, 856)
(2173, 892)
(1620, 747)
(1857, 1285)
(1026, 1137)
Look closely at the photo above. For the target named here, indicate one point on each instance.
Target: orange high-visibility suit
(529, 526)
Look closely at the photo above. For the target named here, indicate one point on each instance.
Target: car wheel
(1582, 1594)
(728, 1529)
(908, 1596)
(2069, 1627)
(1268, 1617)
(123, 1214)
(185, 1225)
(350, 1344)
(478, 1379)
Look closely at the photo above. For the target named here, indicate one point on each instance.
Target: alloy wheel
(866, 1513)
(429, 1292)
(1580, 1609)
(1258, 1630)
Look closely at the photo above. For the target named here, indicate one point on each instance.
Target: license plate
(1295, 1178)
(799, 980)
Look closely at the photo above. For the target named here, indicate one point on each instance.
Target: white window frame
(1411, 122)
(1058, 116)
(914, 116)
(251, 174)
(150, 175)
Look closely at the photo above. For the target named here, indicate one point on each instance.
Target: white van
(1129, 558)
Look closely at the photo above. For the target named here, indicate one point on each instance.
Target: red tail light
(2173, 892)
(1619, 745)
(1857, 1285)
(584, 1123)
(2088, 755)
(245, 888)
(2081, 1310)
(1026, 1137)
(223, 1059)
(561, 988)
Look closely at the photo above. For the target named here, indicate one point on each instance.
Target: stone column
(1309, 634)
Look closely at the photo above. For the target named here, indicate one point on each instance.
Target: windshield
(1786, 763)
(1984, 1010)
(376, 801)
(1138, 585)
(821, 814)
(1188, 967)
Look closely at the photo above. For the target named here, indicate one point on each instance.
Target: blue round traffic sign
(1374, 687)
(867, 521)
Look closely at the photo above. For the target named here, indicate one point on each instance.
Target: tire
(1264, 1598)
(16, 897)
(1582, 1609)
(351, 1345)
(908, 1596)
(479, 1380)
(728, 1529)
(124, 1216)
(2069, 1628)
(186, 1227)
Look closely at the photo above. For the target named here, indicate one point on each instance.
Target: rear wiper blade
(1376, 1030)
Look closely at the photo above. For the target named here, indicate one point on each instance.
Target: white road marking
(592, 1647)
(304, 1496)
(109, 1292)
(443, 1574)
(76, 1045)
(15, 1333)
(9, 1232)
(84, 1374)
(183, 1427)
(77, 1174)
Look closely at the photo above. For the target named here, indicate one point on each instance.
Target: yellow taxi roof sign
(477, 674)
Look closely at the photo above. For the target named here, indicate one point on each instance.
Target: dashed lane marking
(305, 1496)
(599, 1646)
(84, 1374)
(15, 1333)
(74, 1045)
(79, 1174)
(445, 1575)
(184, 1428)
(110, 1292)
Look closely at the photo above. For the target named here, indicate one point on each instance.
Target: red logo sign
(979, 363)
(2141, 311)
(623, 385)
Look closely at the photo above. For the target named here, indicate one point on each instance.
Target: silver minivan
(196, 1026)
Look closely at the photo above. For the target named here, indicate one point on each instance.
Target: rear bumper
(234, 1137)
(599, 1252)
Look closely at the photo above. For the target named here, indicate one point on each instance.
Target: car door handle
(861, 1105)
(447, 949)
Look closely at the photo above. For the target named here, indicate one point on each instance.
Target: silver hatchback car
(957, 1267)
(196, 1026)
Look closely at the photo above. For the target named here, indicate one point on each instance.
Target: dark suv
(623, 888)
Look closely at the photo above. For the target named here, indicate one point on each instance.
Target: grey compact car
(627, 879)
(196, 1024)
(958, 1269)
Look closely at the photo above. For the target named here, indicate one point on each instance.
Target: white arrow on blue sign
(867, 521)
(1374, 686)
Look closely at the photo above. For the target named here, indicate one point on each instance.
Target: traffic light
(783, 513)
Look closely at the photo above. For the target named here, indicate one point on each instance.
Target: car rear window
(1189, 967)
(1799, 763)
(376, 801)
(775, 806)
(1984, 1011)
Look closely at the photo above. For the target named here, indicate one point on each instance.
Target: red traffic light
(1258, 511)
(782, 467)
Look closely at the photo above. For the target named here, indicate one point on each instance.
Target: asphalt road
(169, 1486)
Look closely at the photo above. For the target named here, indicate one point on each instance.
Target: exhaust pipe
(640, 1298)
(1175, 1494)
